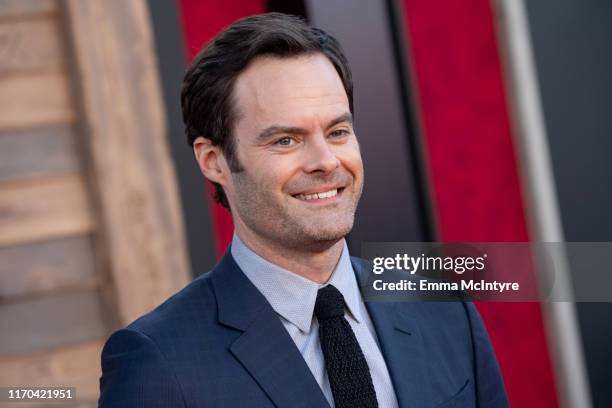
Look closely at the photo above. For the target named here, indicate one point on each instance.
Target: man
(280, 320)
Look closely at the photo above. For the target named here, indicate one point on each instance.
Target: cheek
(274, 174)
(351, 160)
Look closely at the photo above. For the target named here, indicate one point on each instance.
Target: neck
(316, 262)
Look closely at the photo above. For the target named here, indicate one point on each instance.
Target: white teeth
(326, 194)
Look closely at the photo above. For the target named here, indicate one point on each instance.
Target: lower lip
(328, 200)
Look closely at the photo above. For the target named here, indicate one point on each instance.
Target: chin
(326, 234)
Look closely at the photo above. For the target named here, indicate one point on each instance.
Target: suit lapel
(401, 345)
(265, 348)
(270, 356)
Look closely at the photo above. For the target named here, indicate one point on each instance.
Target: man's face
(303, 173)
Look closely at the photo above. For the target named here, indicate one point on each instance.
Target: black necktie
(347, 369)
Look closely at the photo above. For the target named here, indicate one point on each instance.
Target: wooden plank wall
(125, 126)
(65, 237)
(52, 317)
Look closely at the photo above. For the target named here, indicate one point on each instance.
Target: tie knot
(329, 304)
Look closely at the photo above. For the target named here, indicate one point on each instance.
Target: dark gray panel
(572, 49)
(571, 41)
(295, 7)
(391, 207)
(172, 64)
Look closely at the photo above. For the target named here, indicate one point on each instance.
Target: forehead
(274, 89)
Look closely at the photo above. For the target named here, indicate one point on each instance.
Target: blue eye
(339, 133)
(285, 141)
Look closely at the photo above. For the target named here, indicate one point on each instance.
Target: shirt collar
(292, 296)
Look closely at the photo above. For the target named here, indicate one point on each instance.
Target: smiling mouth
(323, 195)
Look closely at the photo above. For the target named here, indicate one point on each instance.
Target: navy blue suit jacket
(219, 343)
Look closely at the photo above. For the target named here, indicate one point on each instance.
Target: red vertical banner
(202, 20)
(475, 183)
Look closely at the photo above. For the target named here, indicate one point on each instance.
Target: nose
(320, 157)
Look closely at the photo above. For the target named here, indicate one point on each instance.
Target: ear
(211, 160)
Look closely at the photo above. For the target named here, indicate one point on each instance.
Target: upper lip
(319, 190)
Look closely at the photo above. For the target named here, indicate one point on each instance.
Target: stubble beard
(284, 224)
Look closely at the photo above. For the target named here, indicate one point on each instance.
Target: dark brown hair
(206, 97)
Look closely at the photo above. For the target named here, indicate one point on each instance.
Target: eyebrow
(293, 130)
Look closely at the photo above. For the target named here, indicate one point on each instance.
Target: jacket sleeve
(490, 390)
(136, 374)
